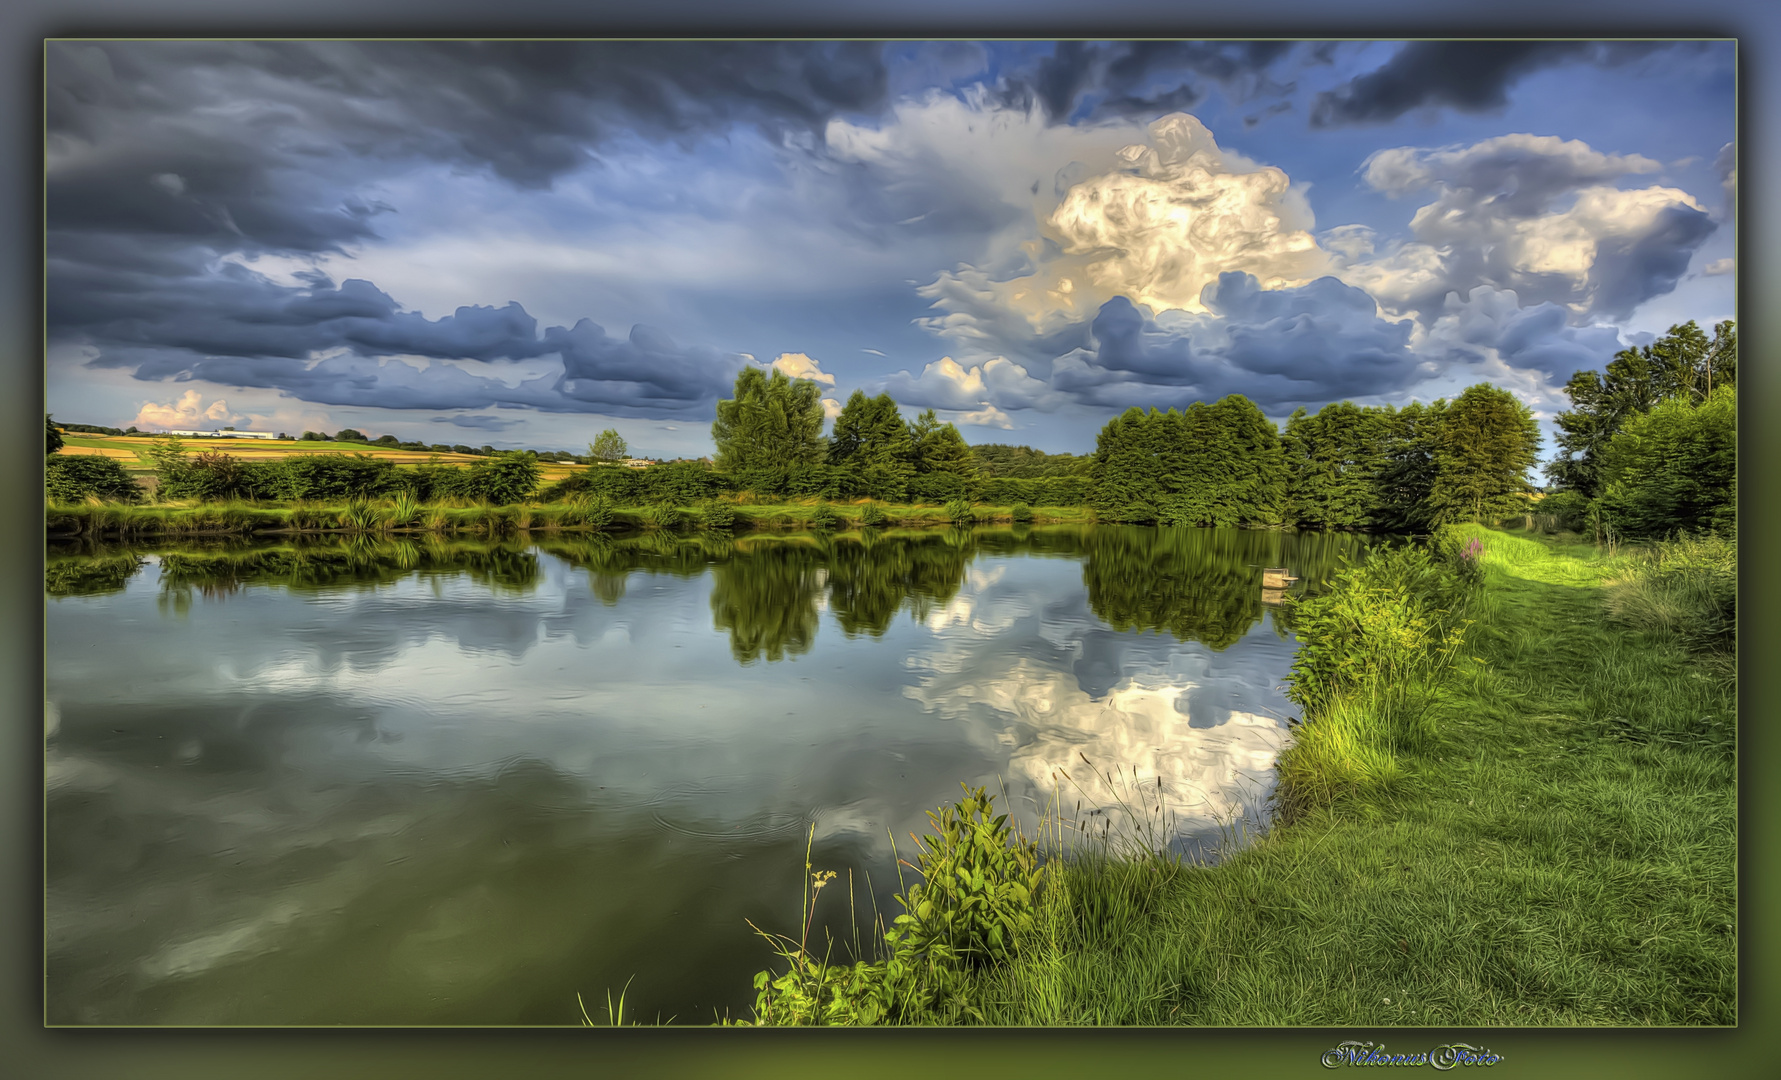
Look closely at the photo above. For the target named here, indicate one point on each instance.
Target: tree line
(1647, 448)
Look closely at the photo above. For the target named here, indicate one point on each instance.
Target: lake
(443, 782)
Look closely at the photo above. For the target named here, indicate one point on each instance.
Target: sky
(520, 244)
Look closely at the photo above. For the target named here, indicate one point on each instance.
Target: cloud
(1529, 213)
(1492, 325)
(478, 423)
(1471, 76)
(1157, 222)
(1281, 348)
(1719, 267)
(1140, 79)
(352, 344)
(830, 408)
(996, 384)
(796, 365)
(261, 141)
(187, 412)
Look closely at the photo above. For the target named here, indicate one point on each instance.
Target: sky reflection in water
(458, 783)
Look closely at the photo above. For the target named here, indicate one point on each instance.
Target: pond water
(430, 782)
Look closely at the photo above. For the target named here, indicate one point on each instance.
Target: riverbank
(1554, 845)
(457, 517)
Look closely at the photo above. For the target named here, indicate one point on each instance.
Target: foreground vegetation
(1531, 823)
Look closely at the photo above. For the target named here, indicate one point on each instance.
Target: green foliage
(720, 516)
(1333, 460)
(1674, 468)
(1022, 514)
(1681, 364)
(73, 479)
(959, 512)
(1218, 465)
(608, 448)
(771, 423)
(825, 518)
(999, 461)
(873, 516)
(359, 516)
(1374, 654)
(504, 479)
(872, 445)
(685, 483)
(1688, 587)
(1481, 449)
(977, 901)
(938, 448)
(979, 884)
(1567, 510)
(350, 435)
(52, 439)
(663, 516)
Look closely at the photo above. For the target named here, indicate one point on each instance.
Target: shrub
(73, 479)
(1022, 513)
(662, 515)
(825, 518)
(1687, 586)
(874, 516)
(959, 512)
(720, 516)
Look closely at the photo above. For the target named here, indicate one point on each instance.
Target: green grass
(1557, 848)
(188, 517)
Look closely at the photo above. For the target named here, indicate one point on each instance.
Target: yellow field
(134, 452)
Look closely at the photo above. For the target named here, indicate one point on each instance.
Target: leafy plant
(720, 516)
(873, 516)
(825, 518)
(359, 515)
(662, 515)
(959, 512)
(1022, 513)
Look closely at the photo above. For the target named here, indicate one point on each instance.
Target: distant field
(133, 452)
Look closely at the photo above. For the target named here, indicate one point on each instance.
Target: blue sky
(522, 244)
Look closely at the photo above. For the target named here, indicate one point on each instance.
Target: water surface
(412, 782)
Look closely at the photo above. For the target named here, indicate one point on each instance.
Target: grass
(402, 514)
(1555, 847)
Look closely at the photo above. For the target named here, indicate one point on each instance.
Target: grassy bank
(462, 518)
(1539, 830)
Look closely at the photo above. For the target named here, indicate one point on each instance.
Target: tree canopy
(771, 423)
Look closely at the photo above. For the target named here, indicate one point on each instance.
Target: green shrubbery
(1688, 587)
(977, 899)
(75, 479)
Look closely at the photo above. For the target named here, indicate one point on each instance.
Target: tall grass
(1686, 587)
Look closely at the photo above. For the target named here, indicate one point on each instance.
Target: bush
(1687, 586)
(720, 516)
(1568, 511)
(1022, 513)
(873, 516)
(74, 479)
(825, 518)
(959, 512)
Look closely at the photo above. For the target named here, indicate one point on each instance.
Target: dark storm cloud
(1539, 337)
(1281, 348)
(1472, 76)
(245, 145)
(478, 423)
(236, 328)
(1140, 79)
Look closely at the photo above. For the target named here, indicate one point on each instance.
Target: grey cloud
(1536, 338)
(1281, 348)
(1143, 79)
(236, 328)
(259, 143)
(1471, 76)
(479, 423)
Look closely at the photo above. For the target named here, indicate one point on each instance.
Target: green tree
(1684, 362)
(872, 444)
(1674, 468)
(608, 448)
(1333, 460)
(771, 423)
(1482, 450)
(52, 438)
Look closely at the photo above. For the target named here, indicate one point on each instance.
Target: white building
(225, 434)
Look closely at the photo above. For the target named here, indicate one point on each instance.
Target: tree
(1684, 362)
(350, 435)
(1481, 451)
(871, 444)
(771, 423)
(608, 448)
(52, 438)
(1333, 461)
(1674, 468)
